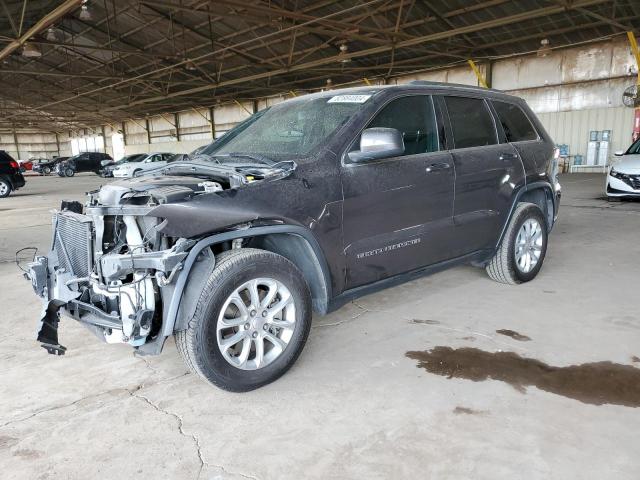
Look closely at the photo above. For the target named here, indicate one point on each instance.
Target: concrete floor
(354, 405)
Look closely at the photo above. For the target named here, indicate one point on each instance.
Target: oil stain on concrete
(596, 383)
(513, 334)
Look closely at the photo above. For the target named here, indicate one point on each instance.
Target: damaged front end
(113, 262)
(107, 265)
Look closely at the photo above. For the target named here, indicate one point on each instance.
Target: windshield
(634, 149)
(289, 129)
(131, 158)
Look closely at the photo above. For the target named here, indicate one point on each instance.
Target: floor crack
(88, 397)
(194, 438)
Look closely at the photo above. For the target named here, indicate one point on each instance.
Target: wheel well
(298, 250)
(7, 179)
(542, 198)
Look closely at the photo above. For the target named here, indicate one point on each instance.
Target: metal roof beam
(40, 25)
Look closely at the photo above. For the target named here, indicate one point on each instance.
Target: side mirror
(376, 143)
(619, 153)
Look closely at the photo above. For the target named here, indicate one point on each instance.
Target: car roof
(414, 86)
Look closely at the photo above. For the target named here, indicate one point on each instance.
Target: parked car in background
(623, 178)
(25, 165)
(305, 206)
(151, 160)
(10, 176)
(45, 167)
(109, 166)
(83, 162)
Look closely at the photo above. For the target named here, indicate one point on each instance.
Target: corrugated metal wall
(572, 128)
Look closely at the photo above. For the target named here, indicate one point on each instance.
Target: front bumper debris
(113, 294)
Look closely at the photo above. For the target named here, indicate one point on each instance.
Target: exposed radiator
(73, 243)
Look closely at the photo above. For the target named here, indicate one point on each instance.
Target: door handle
(438, 166)
(508, 156)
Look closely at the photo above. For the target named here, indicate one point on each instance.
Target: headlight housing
(614, 173)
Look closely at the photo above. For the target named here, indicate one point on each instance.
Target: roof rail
(455, 85)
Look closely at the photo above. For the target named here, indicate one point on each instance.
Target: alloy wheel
(256, 323)
(528, 247)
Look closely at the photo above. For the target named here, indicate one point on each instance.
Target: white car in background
(623, 178)
(152, 160)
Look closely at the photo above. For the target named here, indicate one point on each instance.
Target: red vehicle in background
(25, 165)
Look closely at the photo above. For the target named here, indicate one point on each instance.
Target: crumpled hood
(212, 212)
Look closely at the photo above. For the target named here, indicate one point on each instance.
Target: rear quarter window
(471, 122)
(516, 125)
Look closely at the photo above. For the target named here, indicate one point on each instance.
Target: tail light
(14, 164)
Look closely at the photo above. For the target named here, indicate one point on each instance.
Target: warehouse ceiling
(71, 64)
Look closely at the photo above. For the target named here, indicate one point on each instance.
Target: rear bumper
(18, 181)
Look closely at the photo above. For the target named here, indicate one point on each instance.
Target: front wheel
(522, 250)
(251, 321)
(69, 172)
(46, 170)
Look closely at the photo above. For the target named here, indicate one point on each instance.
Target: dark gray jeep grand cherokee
(302, 207)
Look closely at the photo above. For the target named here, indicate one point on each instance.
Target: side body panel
(487, 178)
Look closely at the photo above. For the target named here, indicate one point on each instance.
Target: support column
(146, 120)
(636, 54)
(212, 122)
(15, 140)
(176, 121)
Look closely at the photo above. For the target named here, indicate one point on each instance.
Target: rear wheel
(46, 170)
(522, 250)
(69, 172)
(251, 321)
(5, 188)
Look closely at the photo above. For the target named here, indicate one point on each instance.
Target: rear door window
(414, 117)
(516, 125)
(471, 122)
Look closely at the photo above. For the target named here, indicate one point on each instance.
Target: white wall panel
(572, 128)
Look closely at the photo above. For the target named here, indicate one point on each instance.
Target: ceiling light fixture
(29, 50)
(344, 48)
(544, 49)
(52, 34)
(85, 13)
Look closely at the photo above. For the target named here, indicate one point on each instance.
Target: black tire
(69, 172)
(46, 170)
(5, 188)
(133, 175)
(198, 344)
(503, 267)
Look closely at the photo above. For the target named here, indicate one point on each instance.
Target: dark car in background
(10, 176)
(47, 166)
(301, 208)
(83, 162)
(109, 166)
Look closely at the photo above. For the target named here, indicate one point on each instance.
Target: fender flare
(528, 188)
(178, 292)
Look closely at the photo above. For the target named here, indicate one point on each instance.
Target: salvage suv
(302, 207)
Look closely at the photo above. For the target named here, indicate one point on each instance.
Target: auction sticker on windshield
(349, 99)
